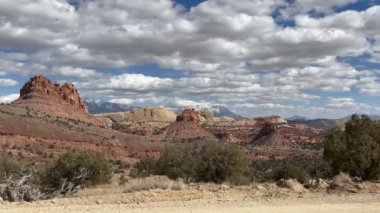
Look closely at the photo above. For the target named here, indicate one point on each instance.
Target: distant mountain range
(296, 118)
(97, 107)
(323, 123)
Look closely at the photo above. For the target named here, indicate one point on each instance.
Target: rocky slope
(268, 137)
(49, 120)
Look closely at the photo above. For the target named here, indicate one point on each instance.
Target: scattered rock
(260, 188)
(224, 187)
(318, 184)
(291, 184)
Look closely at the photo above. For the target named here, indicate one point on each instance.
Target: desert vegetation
(351, 152)
(11, 169)
(200, 162)
(153, 182)
(75, 170)
(356, 149)
(300, 169)
(62, 176)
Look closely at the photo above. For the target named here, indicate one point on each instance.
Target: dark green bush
(277, 169)
(144, 167)
(218, 163)
(178, 162)
(78, 169)
(290, 171)
(202, 162)
(10, 168)
(356, 149)
(318, 169)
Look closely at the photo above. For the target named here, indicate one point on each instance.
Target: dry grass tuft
(342, 179)
(153, 182)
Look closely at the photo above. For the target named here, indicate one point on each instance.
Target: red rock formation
(189, 115)
(268, 129)
(41, 86)
(40, 95)
(269, 136)
(186, 127)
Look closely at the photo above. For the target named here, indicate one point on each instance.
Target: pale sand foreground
(232, 206)
(256, 198)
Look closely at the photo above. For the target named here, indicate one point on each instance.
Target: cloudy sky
(258, 57)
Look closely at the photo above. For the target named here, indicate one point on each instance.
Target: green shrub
(78, 169)
(144, 167)
(292, 172)
(10, 168)
(355, 150)
(178, 162)
(318, 169)
(219, 162)
(276, 169)
(203, 161)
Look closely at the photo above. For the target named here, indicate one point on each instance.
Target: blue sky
(312, 58)
(189, 3)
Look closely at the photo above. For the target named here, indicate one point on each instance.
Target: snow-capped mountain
(297, 118)
(97, 107)
(218, 111)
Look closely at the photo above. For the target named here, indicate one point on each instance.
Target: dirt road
(253, 198)
(196, 206)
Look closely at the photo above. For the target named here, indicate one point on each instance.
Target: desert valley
(190, 106)
(49, 115)
(49, 120)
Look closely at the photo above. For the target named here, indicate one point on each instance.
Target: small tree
(11, 169)
(355, 150)
(76, 170)
(292, 171)
(220, 162)
(204, 161)
(144, 167)
(177, 162)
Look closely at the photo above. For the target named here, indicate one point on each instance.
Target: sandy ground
(255, 198)
(200, 206)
